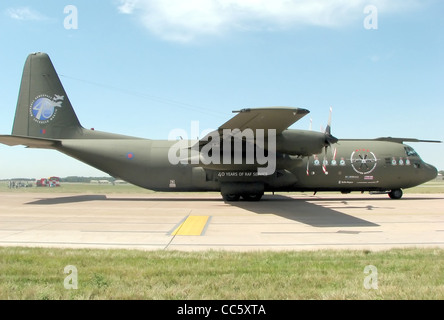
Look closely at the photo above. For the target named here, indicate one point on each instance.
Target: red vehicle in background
(51, 182)
(54, 182)
(41, 182)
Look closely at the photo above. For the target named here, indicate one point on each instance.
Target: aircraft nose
(430, 172)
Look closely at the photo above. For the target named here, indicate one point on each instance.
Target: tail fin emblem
(43, 108)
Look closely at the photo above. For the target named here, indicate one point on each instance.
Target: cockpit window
(410, 152)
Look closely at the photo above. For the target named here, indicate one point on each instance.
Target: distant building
(100, 182)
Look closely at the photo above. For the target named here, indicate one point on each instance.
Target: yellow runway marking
(192, 226)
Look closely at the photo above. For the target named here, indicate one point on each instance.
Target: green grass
(90, 188)
(435, 186)
(38, 273)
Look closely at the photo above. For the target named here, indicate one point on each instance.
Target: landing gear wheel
(230, 197)
(252, 196)
(395, 194)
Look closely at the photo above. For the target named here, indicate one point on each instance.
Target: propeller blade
(329, 138)
(324, 163)
(308, 163)
(328, 129)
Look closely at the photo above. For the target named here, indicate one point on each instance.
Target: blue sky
(145, 67)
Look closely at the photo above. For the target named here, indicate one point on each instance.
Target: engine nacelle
(301, 142)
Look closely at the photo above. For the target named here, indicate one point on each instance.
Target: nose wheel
(395, 194)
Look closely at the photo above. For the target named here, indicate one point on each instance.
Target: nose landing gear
(395, 194)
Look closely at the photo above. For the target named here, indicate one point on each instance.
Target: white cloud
(184, 21)
(25, 13)
(127, 6)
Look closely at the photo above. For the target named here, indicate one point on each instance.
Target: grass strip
(38, 274)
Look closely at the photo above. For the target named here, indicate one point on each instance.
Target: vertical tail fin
(43, 108)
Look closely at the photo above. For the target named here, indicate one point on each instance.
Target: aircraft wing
(278, 118)
(402, 140)
(13, 140)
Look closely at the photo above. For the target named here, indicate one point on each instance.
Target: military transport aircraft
(252, 153)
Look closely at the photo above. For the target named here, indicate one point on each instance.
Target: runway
(195, 222)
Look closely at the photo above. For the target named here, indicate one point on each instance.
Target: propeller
(329, 140)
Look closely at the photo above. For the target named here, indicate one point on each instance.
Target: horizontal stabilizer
(14, 140)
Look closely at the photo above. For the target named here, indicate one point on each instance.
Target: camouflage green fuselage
(349, 165)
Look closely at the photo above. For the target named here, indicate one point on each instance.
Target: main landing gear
(229, 197)
(395, 194)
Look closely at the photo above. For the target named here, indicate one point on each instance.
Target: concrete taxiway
(203, 221)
